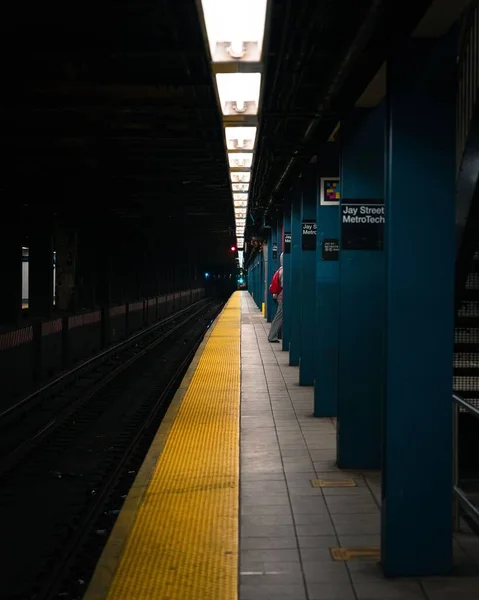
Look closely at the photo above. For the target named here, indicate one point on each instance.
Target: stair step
(466, 335)
(469, 309)
(466, 386)
(466, 359)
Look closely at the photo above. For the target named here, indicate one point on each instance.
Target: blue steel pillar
(286, 249)
(295, 296)
(307, 288)
(273, 264)
(420, 247)
(361, 292)
(327, 284)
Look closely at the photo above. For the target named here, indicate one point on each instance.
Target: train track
(76, 453)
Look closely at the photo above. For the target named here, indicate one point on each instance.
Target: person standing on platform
(276, 288)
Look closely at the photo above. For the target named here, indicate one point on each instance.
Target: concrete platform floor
(287, 525)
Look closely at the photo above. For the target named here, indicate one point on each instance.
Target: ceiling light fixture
(240, 176)
(239, 93)
(240, 160)
(235, 29)
(240, 187)
(240, 138)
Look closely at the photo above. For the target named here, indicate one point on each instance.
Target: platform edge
(107, 565)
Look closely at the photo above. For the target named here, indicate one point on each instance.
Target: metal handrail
(464, 404)
(459, 496)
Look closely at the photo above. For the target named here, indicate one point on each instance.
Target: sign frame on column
(324, 199)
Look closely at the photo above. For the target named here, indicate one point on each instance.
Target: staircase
(466, 355)
(466, 350)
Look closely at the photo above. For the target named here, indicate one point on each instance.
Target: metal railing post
(455, 466)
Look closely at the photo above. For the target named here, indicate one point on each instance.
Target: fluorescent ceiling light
(235, 29)
(239, 93)
(240, 138)
(240, 213)
(240, 223)
(240, 203)
(240, 187)
(240, 176)
(240, 197)
(240, 160)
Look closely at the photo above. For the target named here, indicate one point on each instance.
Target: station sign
(308, 236)
(287, 242)
(362, 224)
(330, 249)
(330, 194)
(275, 250)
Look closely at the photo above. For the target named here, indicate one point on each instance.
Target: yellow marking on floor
(345, 554)
(333, 483)
(183, 543)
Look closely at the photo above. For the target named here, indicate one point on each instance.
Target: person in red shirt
(275, 333)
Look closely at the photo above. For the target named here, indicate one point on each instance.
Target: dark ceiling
(112, 109)
(108, 108)
(322, 55)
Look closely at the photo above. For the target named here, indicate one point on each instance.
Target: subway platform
(240, 497)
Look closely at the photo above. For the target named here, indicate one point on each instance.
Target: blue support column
(274, 252)
(287, 275)
(420, 247)
(361, 292)
(327, 284)
(307, 288)
(295, 297)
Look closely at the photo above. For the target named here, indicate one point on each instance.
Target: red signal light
(233, 248)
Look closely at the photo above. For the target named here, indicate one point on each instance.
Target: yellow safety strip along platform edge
(183, 544)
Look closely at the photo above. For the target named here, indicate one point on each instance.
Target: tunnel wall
(34, 354)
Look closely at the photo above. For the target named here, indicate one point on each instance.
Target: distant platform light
(235, 29)
(240, 138)
(240, 160)
(240, 280)
(240, 196)
(240, 176)
(240, 203)
(207, 275)
(240, 187)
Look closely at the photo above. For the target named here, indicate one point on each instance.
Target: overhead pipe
(356, 47)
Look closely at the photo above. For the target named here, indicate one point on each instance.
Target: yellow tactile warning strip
(183, 539)
(345, 554)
